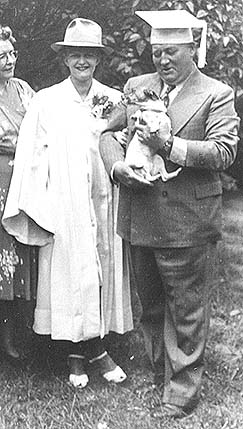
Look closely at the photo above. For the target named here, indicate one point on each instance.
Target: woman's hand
(122, 136)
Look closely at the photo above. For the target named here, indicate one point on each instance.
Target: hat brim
(57, 46)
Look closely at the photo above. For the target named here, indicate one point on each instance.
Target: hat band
(83, 42)
(171, 36)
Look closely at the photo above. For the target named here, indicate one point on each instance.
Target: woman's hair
(6, 34)
(65, 50)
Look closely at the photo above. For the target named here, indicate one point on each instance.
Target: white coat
(61, 199)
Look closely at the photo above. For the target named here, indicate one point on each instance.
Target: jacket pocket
(208, 190)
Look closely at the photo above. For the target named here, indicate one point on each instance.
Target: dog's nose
(135, 117)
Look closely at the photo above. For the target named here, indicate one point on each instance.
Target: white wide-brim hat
(81, 32)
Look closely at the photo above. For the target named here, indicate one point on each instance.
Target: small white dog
(142, 156)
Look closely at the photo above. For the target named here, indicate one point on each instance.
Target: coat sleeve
(110, 149)
(27, 214)
(217, 151)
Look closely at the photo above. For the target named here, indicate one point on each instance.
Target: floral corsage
(102, 106)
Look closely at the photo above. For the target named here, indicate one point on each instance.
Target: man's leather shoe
(174, 411)
(159, 379)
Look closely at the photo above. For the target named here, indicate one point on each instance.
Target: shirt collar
(180, 85)
(75, 95)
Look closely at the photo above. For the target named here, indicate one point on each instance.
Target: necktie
(165, 98)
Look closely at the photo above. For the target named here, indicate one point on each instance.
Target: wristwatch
(168, 146)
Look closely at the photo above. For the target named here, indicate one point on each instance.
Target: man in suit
(173, 226)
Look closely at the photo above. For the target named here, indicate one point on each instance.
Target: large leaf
(140, 46)
(202, 14)
(38, 23)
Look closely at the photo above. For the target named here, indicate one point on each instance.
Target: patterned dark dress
(18, 267)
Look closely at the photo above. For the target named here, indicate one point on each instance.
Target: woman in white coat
(62, 200)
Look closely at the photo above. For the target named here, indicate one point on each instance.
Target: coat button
(165, 193)
(201, 160)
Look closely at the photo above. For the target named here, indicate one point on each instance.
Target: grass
(37, 395)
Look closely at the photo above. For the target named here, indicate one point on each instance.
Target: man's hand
(155, 140)
(125, 175)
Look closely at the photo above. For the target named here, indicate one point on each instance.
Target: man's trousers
(174, 285)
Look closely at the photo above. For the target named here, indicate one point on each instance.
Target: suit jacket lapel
(187, 102)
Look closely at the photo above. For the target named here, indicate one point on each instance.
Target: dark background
(38, 23)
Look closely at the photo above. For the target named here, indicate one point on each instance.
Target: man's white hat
(175, 27)
(81, 32)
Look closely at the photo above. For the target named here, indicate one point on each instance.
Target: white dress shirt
(179, 147)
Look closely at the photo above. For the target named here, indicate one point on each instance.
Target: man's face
(174, 63)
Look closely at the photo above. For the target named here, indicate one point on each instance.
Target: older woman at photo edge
(17, 262)
(62, 200)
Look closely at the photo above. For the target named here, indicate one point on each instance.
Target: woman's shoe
(77, 376)
(14, 359)
(109, 370)
(80, 381)
(10, 352)
(7, 340)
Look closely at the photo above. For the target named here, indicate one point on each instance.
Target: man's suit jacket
(185, 211)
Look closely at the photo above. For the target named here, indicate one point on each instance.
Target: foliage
(38, 396)
(236, 170)
(38, 23)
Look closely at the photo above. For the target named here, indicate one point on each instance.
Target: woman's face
(7, 60)
(81, 63)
